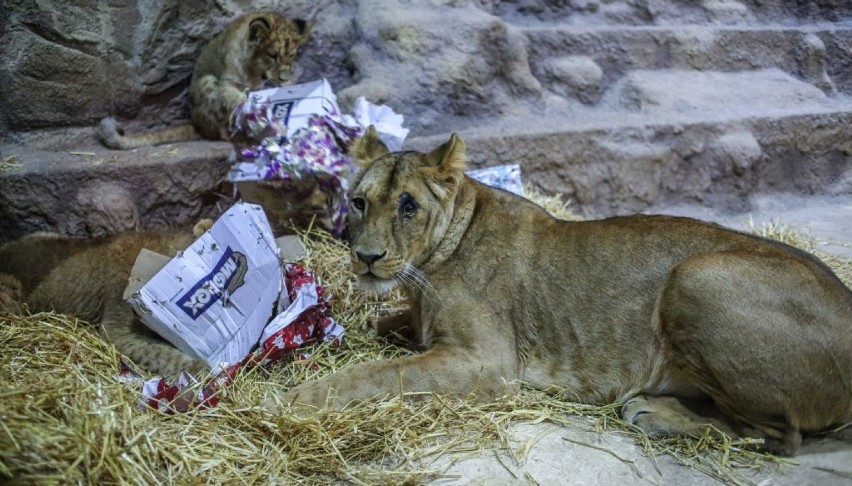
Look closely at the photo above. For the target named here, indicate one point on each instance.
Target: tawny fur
(255, 51)
(648, 311)
(86, 278)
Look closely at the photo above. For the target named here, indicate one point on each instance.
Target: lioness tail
(111, 135)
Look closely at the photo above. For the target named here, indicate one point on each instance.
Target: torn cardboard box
(213, 300)
(294, 105)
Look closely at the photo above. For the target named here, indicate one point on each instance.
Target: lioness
(643, 310)
(86, 278)
(254, 51)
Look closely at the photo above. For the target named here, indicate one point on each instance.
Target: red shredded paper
(304, 320)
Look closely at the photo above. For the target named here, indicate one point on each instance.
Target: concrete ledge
(94, 191)
(623, 165)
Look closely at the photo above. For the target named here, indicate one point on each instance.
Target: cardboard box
(293, 105)
(213, 299)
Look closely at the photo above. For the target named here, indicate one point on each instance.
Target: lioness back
(585, 294)
(254, 51)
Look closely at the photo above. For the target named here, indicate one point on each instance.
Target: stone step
(582, 62)
(82, 189)
(611, 162)
(712, 93)
(671, 12)
(654, 140)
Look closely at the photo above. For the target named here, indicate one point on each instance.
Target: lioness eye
(407, 205)
(359, 203)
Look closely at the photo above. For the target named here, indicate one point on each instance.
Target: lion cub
(643, 310)
(86, 278)
(254, 51)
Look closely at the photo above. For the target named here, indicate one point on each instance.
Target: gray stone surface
(575, 454)
(578, 76)
(619, 163)
(93, 191)
(676, 91)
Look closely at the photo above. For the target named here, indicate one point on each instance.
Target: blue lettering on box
(227, 276)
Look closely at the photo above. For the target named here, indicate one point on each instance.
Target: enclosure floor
(578, 455)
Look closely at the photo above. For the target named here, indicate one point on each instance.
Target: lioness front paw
(664, 416)
(290, 402)
(635, 408)
(643, 413)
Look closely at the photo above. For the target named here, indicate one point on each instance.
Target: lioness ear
(445, 165)
(258, 28)
(367, 148)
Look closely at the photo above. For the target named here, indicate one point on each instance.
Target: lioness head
(275, 41)
(400, 206)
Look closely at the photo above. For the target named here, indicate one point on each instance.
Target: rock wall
(621, 104)
(70, 63)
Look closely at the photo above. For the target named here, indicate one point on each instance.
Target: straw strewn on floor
(64, 417)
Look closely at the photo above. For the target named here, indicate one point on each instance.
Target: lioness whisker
(407, 280)
(414, 275)
(420, 278)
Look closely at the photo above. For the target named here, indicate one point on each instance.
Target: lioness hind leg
(663, 416)
(767, 335)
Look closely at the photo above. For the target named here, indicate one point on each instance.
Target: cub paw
(171, 363)
(11, 293)
(198, 367)
(201, 227)
(109, 132)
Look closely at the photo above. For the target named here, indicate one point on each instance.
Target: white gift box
(213, 299)
(293, 105)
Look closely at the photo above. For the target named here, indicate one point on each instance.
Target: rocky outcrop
(63, 65)
(443, 64)
(72, 63)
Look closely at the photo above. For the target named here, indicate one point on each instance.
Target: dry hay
(64, 416)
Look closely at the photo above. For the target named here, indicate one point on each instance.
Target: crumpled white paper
(506, 177)
(383, 118)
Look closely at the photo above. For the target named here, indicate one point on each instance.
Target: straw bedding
(66, 417)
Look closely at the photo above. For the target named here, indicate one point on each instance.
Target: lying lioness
(643, 310)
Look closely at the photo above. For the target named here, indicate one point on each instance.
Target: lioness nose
(369, 258)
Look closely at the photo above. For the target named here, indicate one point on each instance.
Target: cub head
(400, 206)
(274, 41)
